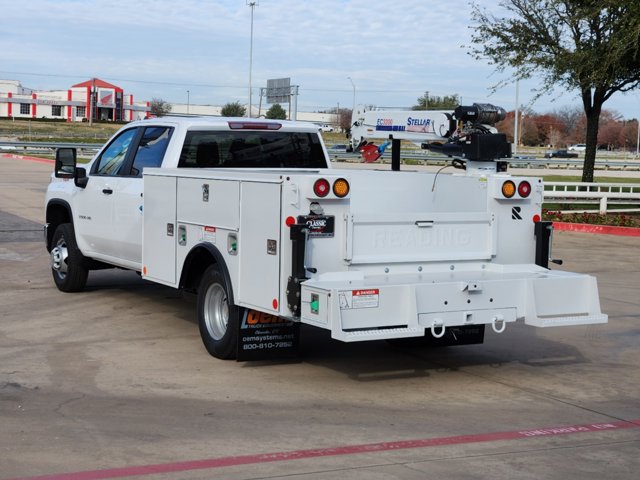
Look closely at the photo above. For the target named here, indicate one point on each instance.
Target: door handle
(107, 191)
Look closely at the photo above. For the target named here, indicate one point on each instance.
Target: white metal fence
(601, 194)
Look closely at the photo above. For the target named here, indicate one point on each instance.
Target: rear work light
(524, 189)
(255, 126)
(508, 189)
(341, 188)
(321, 188)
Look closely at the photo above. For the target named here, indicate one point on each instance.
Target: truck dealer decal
(353, 299)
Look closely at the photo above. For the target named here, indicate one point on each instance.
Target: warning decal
(368, 298)
(208, 234)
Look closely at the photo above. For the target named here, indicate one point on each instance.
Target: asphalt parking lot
(115, 383)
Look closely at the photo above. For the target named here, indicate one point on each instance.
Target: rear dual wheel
(218, 319)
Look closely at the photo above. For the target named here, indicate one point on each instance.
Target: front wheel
(218, 320)
(67, 262)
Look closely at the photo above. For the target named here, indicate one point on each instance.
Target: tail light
(524, 189)
(321, 188)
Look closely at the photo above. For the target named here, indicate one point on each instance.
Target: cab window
(151, 149)
(112, 159)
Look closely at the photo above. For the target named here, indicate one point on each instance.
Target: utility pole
(253, 5)
(515, 126)
(92, 100)
(353, 109)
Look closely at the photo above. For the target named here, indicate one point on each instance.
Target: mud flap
(264, 336)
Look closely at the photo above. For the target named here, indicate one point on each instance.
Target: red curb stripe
(599, 229)
(330, 452)
(26, 158)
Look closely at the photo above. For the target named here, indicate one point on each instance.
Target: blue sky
(393, 51)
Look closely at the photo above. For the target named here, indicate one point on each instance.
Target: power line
(202, 85)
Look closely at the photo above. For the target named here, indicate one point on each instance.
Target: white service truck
(249, 215)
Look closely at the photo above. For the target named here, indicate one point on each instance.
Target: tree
(277, 112)
(433, 102)
(344, 119)
(592, 46)
(233, 110)
(159, 108)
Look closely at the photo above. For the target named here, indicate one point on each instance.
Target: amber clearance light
(341, 188)
(508, 189)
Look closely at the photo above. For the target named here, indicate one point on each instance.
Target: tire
(218, 320)
(67, 262)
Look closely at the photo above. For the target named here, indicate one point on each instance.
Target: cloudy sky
(393, 51)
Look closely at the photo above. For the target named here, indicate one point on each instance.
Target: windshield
(251, 149)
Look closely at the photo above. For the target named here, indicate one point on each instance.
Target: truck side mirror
(65, 163)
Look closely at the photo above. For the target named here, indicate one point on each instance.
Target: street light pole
(354, 95)
(187, 102)
(253, 6)
(516, 133)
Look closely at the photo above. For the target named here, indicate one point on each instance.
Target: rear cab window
(251, 149)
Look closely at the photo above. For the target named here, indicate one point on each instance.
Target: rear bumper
(354, 307)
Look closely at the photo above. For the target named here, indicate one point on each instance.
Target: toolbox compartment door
(259, 246)
(159, 230)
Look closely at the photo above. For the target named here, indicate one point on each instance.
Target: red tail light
(321, 187)
(524, 189)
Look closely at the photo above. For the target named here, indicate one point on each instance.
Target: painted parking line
(213, 463)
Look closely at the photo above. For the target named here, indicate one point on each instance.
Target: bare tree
(159, 108)
(592, 46)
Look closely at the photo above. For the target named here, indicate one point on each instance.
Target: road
(115, 383)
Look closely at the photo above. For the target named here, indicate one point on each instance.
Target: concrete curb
(599, 229)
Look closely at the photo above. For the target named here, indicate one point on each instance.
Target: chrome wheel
(59, 256)
(216, 311)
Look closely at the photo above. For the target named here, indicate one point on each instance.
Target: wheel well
(57, 214)
(194, 266)
(199, 259)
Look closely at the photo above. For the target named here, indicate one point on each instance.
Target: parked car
(560, 154)
(578, 147)
(326, 128)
